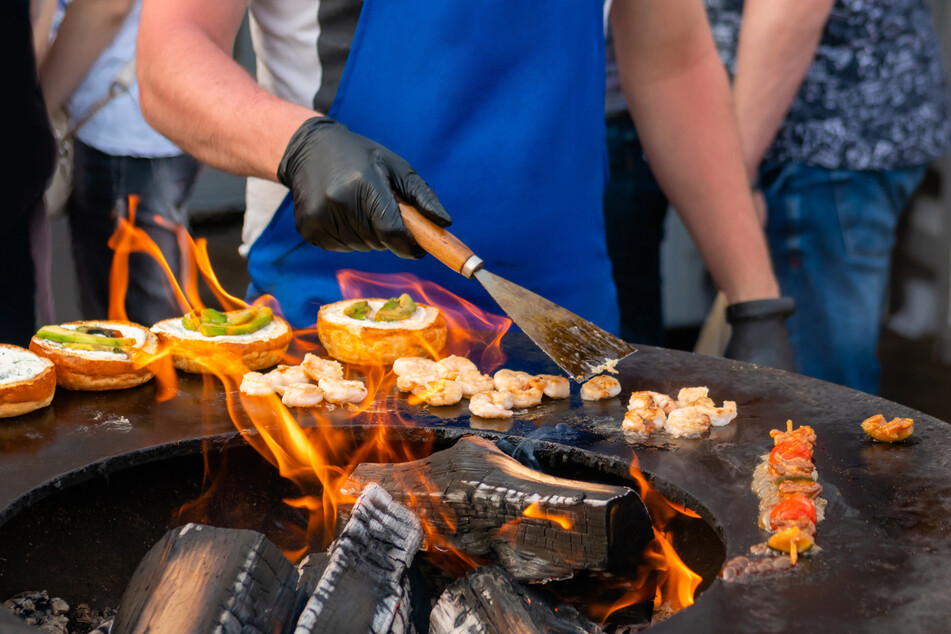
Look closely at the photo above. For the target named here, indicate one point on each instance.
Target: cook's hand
(343, 186)
(759, 332)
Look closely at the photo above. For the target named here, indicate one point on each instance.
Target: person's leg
(831, 235)
(91, 221)
(634, 211)
(162, 186)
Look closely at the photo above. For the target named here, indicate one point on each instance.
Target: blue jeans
(102, 182)
(831, 234)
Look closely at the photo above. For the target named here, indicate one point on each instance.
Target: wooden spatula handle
(439, 243)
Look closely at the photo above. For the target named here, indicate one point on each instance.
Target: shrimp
(256, 384)
(645, 420)
(720, 416)
(694, 396)
(452, 366)
(687, 421)
(343, 391)
(473, 382)
(493, 404)
(892, 431)
(302, 395)
(647, 399)
(553, 386)
(440, 392)
(415, 365)
(411, 381)
(527, 398)
(600, 387)
(512, 380)
(318, 368)
(284, 375)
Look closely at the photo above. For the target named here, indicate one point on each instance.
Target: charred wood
(364, 586)
(479, 498)
(202, 579)
(489, 601)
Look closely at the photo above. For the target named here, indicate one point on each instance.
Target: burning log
(537, 526)
(363, 587)
(489, 600)
(201, 578)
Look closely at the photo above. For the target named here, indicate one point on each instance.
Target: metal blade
(579, 347)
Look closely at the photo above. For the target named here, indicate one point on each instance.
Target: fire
(312, 449)
(535, 510)
(677, 583)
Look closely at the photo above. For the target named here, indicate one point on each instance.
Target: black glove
(759, 332)
(343, 186)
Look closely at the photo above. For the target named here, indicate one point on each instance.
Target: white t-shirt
(284, 35)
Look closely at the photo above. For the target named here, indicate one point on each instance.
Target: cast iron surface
(885, 561)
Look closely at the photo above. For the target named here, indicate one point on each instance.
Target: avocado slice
(396, 308)
(65, 335)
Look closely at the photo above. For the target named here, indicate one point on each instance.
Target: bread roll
(260, 349)
(368, 342)
(27, 381)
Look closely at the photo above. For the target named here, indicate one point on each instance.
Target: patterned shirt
(875, 96)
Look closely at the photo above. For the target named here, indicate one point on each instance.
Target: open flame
(310, 447)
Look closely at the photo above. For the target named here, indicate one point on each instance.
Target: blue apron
(499, 106)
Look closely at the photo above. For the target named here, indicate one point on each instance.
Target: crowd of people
(788, 135)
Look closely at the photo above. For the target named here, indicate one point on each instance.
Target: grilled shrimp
(318, 368)
(411, 381)
(553, 386)
(600, 387)
(302, 395)
(473, 382)
(527, 398)
(440, 392)
(687, 421)
(452, 366)
(415, 365)
(645, 420)
(256, 384)
(284, 375)
(493, 404)
(720, 416)
(694, 396)
(343, 391)
(647, 399)
(512, 380)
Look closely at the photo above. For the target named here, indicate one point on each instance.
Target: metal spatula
(579, 347)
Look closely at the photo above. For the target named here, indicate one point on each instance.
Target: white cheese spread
(175, 328)
(422, 317)
(17, 364)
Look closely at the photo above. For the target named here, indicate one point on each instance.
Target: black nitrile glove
(343, 186)
(759, 332)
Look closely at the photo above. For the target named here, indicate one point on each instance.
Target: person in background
(841, 104)
(30, 159)
(116, 155)
(506, 122)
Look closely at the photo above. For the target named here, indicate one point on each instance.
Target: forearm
(194, 93)
(679, 97)
(778, 41)
(87, 29)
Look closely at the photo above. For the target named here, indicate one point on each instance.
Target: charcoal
(363, 587)
(201, 579)
(475, 495)
(488, 600)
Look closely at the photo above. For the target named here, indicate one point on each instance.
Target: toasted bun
(27, 381)
(257, 350)
(366, 342)
(98, 370)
